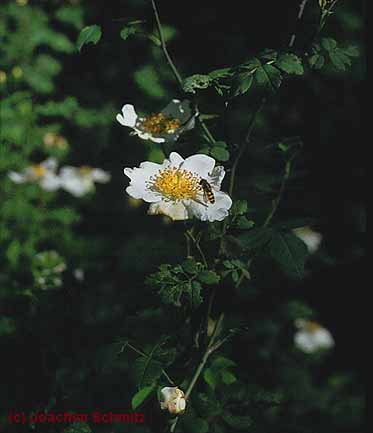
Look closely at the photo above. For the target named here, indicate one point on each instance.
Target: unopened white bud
(173, 400)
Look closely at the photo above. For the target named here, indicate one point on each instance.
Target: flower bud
(173, 399)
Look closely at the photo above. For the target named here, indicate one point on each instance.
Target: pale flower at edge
(174, 189)
(310, 237)
(312, 337)
(79, 181)
(43, 174)
(167, 125)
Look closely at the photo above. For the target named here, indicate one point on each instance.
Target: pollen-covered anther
(38, 170)
(159, 124)
(85, 170)
(176, 184)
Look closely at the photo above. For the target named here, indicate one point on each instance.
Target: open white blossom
(312, 337)
(181, 188)
(173, 400)
(44, 174)
(167, 125)
(311, 238)
(79, 181)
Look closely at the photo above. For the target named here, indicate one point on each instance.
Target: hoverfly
(208, 194)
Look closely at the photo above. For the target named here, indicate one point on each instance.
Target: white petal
(311, 238)
(50, 182)
(304, 341)
(211, 212)
(216, 177)
(175, 210)
(17, 177)
(140, 176)
(199, 164)
(324, 338)
(175, 159)
(147, 136)
(50, 164)
(99, 175)
(128, 116)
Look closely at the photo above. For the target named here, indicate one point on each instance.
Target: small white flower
(174, 187)
(79, 181)
(167, 125)
(44, 174)
(79, 274)
(312, 337)
(311, 238)
(173, 400)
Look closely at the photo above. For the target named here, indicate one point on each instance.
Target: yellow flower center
(38, 170)
(159, 124)
(312, 326)
(85, 170)
(176, 184)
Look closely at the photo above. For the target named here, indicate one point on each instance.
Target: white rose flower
(79, 181)
(44, 174)
(173, 400)
(181, 188)
(312, 337)
(167, 125)
(311, 238)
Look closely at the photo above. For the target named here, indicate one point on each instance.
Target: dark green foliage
(182, 281)
(90, 34)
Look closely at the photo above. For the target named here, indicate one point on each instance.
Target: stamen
(85, 170)
(312, 326)
(176, 184)
(38, 170)
(159, 124)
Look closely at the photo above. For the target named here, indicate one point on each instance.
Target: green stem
(209, 350)
(164, 46)
(141, 353)
(280, 193)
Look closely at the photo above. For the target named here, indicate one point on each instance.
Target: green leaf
(328, 44)
(127, 31)
(90, 34)
(141, 396)
(195, 297)
(190, 265)
(243, 82)
(208, 277)
(290, 253)
(211, 377)
(316, 61)
(222, 362)
(244, 224)
(255, 238)
(239, 207)
(290, 63)
(197, 81)
(269, 77)
(339, 59)
(219, 153)
(147, 79)
(238, 422)
(352, 51)
(228, 377)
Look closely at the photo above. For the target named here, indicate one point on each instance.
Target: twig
(198, 246)
(209, 350)
(164, 46)
(302, 6)
(173, 66)
(141, 353)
